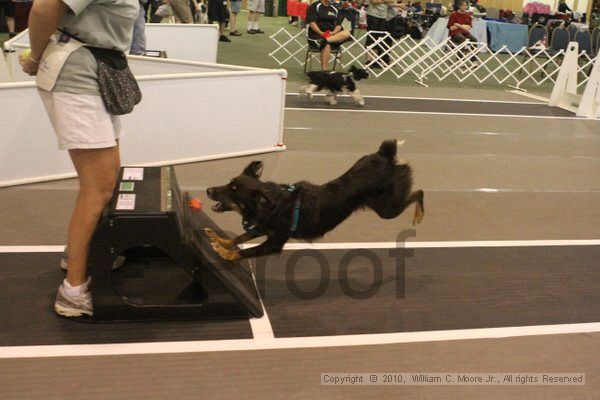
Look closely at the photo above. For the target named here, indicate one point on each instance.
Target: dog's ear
(254, 169)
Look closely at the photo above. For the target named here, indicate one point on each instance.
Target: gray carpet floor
(485, 178)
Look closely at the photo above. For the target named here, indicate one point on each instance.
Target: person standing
(9, 12)
(255, 9)
(236, 6)
(377, 24)
(138, 43)
(396, 26)
(150, 8)
(217, 13)
(71, 95)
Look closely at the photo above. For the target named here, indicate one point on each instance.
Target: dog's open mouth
(220, 207)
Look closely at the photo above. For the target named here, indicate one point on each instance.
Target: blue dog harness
(296, 214)
(253, 229)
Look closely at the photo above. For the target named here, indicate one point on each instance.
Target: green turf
(3, 38)
(253, 50)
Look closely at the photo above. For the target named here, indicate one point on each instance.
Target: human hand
(326, 34)
(30, 66)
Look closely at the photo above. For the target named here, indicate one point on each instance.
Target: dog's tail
(389, 149)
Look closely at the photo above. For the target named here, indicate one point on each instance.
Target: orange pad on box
(195, 205)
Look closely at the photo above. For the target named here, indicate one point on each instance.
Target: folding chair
(584, 41)
(572, 31)
(313, 47)
(537, 33)
(560, 39)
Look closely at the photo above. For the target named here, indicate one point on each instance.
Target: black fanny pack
(118, 87)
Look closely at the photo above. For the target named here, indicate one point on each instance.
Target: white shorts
(81, 121)
(256, 6)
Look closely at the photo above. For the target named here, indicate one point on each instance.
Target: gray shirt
(99, 23)
(392, 12)
(378, 10)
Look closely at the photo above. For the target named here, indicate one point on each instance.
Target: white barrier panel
(16, 71)
(139, 67)
(424, 59)
(194, 42)
(21, 39)
(184, 117)
(14, 47)
(564, 94)
(4, 74)
(589, 106)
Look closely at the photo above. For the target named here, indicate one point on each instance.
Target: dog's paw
(229, 255)
(216, 238)
(361, 102)
(331, 101)
(211, 234)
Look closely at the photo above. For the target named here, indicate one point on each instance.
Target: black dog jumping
(335, 83)
(307, 211)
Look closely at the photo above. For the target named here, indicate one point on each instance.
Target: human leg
(97, 174)
(375, 26)
(325, 55)
(138, 43)
(233, 24)
(181, 11)
(339, 37)
(250, 20)
(9, 12)
(255, 8)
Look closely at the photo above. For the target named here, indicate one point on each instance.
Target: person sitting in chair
(564, 8)
(460, 24)
(325, 29)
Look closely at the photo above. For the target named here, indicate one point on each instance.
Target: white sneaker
(77, 306)
(64, 261)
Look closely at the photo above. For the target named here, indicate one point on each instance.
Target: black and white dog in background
(335, 83)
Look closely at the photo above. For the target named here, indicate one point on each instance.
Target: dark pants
(377, 24)
(8, 7)
(217, 12)
(151, 6)
(461, 37)
(397, 27)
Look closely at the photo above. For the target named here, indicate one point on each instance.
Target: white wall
(194, 42)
